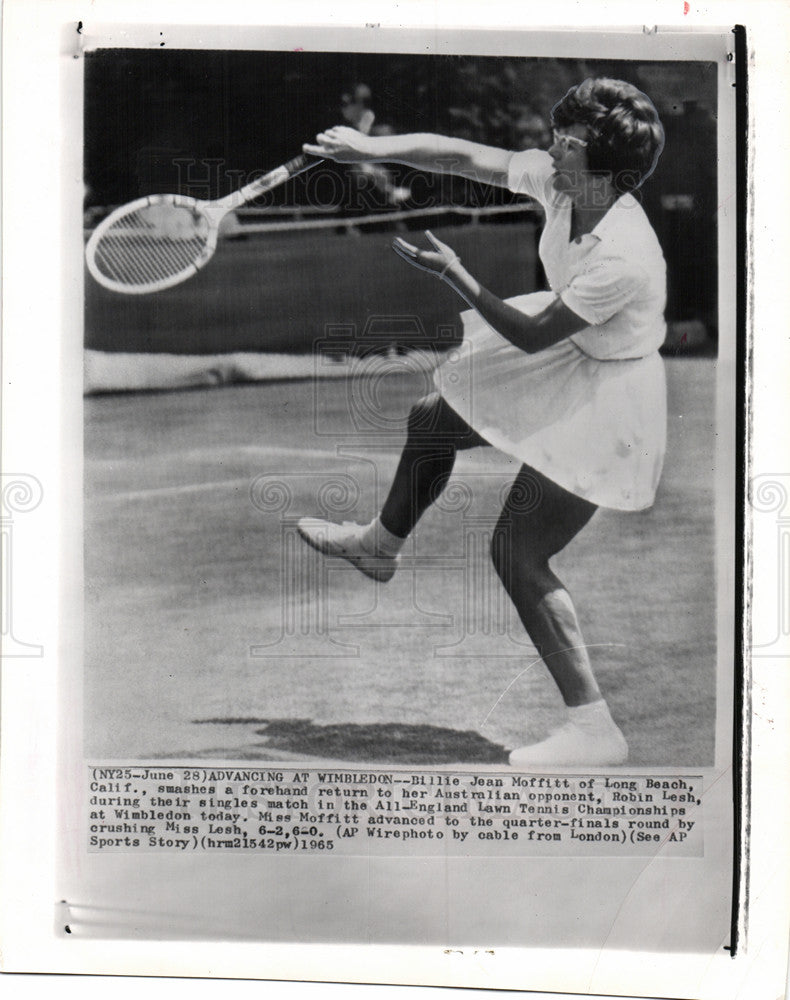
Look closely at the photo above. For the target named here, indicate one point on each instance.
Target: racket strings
(139, 249)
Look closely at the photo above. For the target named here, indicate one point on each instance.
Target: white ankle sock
(381, 542)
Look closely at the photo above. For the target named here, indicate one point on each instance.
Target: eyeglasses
(567, 141)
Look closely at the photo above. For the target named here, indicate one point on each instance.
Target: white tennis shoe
(347, 540)
(573, 746)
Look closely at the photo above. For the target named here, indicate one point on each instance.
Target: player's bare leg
(538, 520)
(435, 434)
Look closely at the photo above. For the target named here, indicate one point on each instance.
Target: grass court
(213, 632)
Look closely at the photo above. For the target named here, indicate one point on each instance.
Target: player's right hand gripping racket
(159, 241)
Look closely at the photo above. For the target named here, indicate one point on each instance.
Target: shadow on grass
(380, 742)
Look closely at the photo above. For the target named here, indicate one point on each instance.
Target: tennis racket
(159, 241)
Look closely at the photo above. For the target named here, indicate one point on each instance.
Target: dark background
(204, 122)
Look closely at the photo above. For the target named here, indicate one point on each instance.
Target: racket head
(152, 243)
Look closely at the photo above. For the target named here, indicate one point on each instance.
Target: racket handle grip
(271, 180)
(300, 163)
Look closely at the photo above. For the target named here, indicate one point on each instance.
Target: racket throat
(214, 212)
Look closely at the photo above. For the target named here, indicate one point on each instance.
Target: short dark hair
(626, 135)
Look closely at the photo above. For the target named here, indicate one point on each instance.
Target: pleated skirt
(596, 428)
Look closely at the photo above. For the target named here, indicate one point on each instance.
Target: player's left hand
(343, 144)
(436, 261)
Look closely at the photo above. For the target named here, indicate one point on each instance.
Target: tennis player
(567, 381)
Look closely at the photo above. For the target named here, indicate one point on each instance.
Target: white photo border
(30, 703)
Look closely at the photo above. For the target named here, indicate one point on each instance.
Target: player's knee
(423, 414)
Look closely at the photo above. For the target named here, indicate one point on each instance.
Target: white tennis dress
(590, 411)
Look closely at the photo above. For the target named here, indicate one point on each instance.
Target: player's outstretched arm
(424, 151)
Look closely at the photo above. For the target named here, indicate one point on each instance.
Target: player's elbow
(531, 335)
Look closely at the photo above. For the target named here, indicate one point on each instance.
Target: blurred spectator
(374, 185)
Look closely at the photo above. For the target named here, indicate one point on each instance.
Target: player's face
(568, 152)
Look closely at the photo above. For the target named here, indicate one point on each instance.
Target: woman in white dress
(568, 381)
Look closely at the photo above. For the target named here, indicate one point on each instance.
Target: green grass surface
(192, 561)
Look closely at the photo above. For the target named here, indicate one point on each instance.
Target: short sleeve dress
(590, 411)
